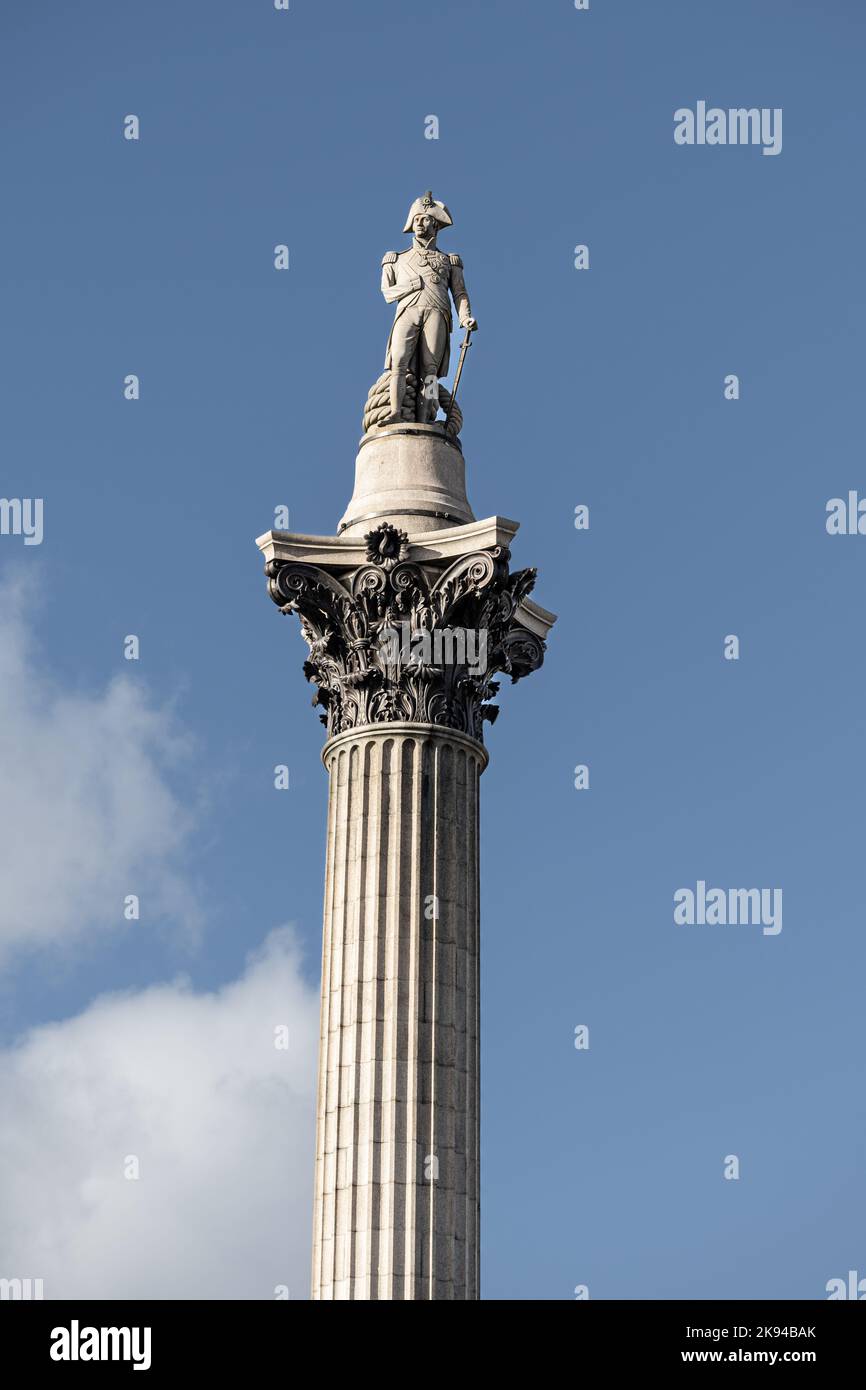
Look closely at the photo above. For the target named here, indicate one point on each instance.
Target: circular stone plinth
(410, 475)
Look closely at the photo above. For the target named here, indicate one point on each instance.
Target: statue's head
(423, 225)
(434, 213)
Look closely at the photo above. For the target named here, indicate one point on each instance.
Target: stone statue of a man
(418, 281)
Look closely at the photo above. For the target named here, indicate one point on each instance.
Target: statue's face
(423, 224)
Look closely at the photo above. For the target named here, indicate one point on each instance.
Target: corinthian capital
(404, 637)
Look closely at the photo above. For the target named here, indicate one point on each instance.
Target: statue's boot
(396, 392)
(431, 398)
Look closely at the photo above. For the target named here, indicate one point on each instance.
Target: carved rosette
(381, 637)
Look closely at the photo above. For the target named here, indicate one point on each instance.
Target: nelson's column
(410, 612)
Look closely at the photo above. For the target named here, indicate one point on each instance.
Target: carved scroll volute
(361, 670)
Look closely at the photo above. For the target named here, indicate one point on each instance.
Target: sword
(463, 346)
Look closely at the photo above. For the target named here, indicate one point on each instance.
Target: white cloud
(220, 1120)
(87, 814)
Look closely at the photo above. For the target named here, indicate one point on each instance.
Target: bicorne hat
(432, 207)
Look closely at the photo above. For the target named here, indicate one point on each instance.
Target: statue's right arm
(389, 280)
(388, 284)
(388, 275)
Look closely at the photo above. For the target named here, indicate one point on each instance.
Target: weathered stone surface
(377, 408)
(413, 475)
(396, 1196)
(397, 1160)
(382, 636)
(421, 283)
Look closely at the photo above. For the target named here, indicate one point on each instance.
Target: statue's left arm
(460, 294)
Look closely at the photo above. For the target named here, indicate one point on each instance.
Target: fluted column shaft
(397, 1149)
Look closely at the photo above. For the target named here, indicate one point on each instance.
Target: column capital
(411, 629)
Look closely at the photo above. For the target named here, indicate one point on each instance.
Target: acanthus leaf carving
(400, 640)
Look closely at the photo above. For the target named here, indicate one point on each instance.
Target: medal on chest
(433, 266)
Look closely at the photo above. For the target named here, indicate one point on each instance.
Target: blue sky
(602, 387)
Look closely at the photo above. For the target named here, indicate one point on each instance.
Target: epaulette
(389, 258)
(454, 258)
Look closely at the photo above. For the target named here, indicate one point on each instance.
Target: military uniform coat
(423, 277)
